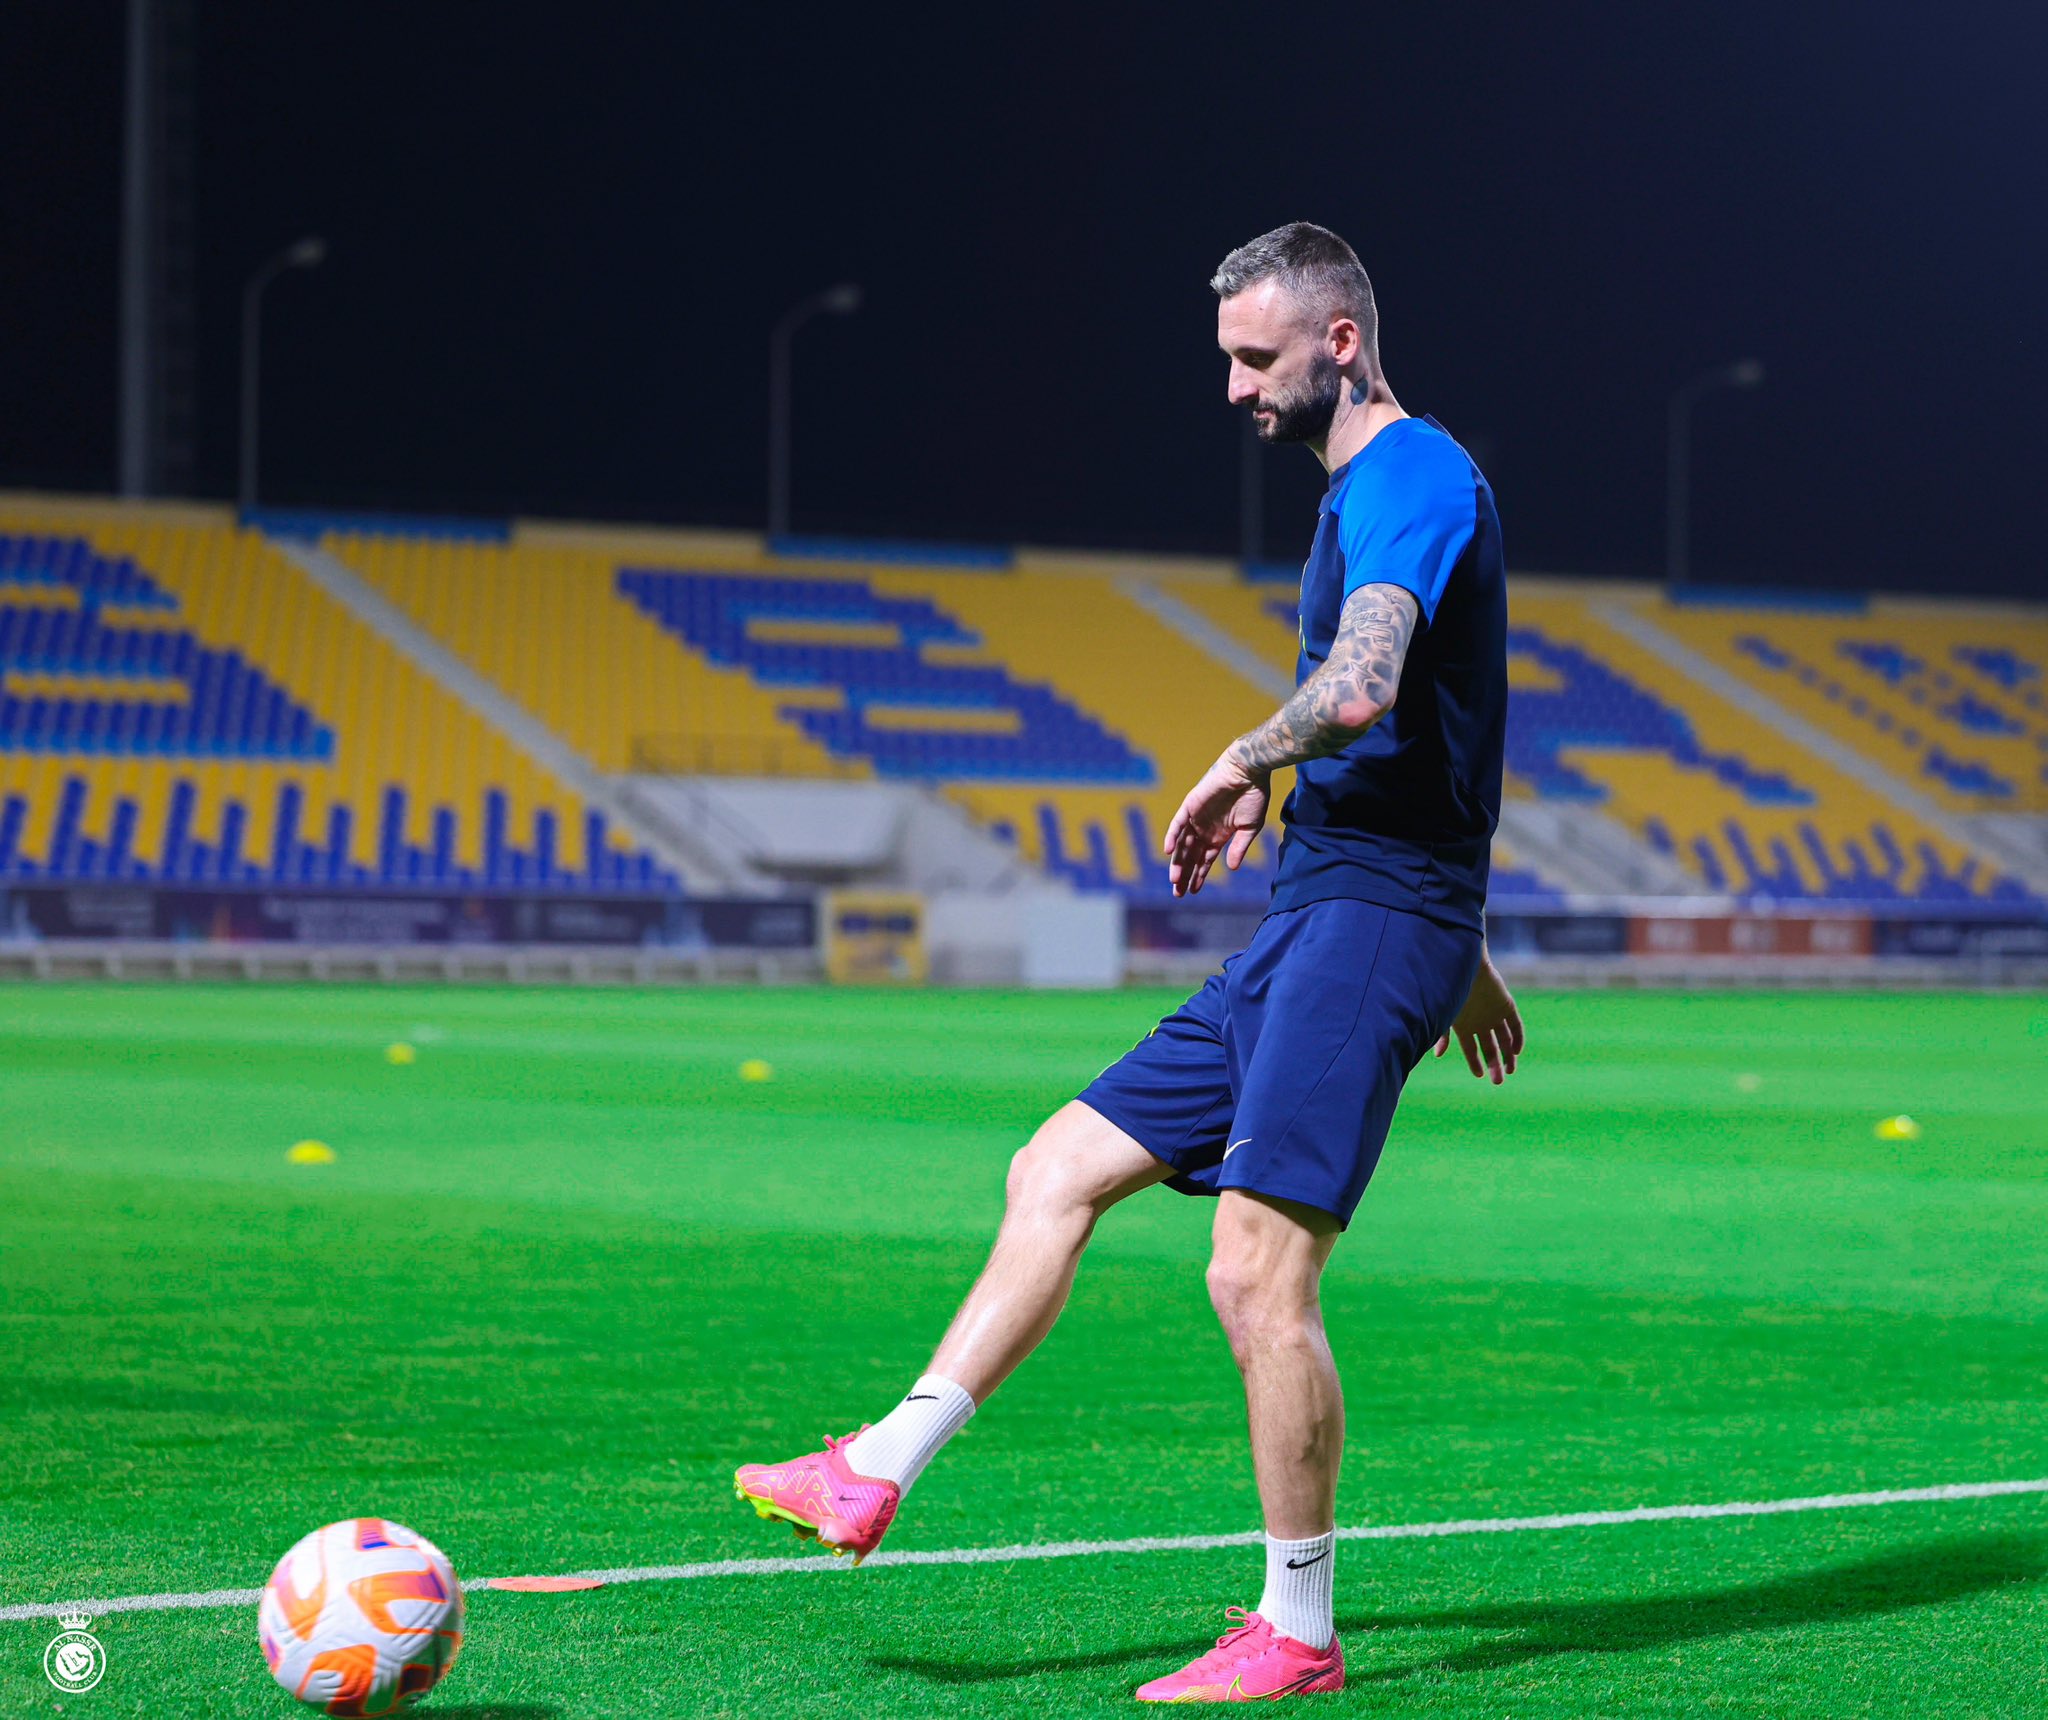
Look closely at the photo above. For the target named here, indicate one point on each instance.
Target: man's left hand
(1489, 1027)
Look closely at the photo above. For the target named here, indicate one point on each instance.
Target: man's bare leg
(1265, 1275)
(1071, 1172)
(1067, 1176)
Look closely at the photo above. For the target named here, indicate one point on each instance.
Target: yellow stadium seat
(218, 590)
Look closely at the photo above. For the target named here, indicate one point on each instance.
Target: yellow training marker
(400, 1053)
(757, 1069)
(310, 1153)
(1899, 1128)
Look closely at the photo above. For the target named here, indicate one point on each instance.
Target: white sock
(1300, 1589)
(898, 1446)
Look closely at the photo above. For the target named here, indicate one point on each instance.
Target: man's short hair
(1315, 266)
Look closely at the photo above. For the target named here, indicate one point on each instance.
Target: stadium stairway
(180, 703)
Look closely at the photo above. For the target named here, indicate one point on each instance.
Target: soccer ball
(360, 1617)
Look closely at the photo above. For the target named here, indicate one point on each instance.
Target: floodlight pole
(841, 300)
(138, 226)
(1742, 373)
(308, 253)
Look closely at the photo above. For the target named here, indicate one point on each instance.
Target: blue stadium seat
(1049, 739)
(220, 686)
(1520, 885)
(183, 858)
(1593, 706)
(73, 564)
(1928, 689)
(1996, 663)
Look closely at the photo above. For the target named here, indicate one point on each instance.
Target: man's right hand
(1221, 816)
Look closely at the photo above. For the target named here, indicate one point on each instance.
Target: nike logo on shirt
(1234, 1145)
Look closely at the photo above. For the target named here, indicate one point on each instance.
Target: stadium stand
(1595, 719)
(179, 704)
(548, 626)
(1171, 701)
(1050, 706)
(1595, 716)
(1953, 699)
(182, 702)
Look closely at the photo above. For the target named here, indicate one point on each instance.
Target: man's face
(1281, 368)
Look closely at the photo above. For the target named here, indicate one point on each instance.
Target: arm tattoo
(1350, 691)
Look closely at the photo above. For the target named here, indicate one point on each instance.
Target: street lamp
(1743, 373)
(308, 253)
(841, 300)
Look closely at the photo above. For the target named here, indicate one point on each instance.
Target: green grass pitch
(568, 1269)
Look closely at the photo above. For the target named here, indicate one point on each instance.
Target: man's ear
(1345, 342)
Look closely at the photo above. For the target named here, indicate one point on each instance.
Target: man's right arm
(1350, 690)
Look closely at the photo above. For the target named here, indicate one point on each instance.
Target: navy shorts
(1281, 1074)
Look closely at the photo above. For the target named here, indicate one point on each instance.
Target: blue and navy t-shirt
(1404, 816)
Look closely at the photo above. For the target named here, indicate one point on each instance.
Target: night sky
(559, 237)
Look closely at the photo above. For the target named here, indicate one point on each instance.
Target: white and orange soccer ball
(360, 1617)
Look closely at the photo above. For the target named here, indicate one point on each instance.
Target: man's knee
(1250, 1302)
(1041, 1178)
(1266, 1265)
(1077, 1165)
(1233, 1292)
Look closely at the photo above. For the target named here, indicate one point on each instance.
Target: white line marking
(1141, 1544)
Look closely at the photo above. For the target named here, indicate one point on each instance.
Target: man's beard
(1305, 415)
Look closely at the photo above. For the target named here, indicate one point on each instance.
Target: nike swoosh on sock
(1303, 1564)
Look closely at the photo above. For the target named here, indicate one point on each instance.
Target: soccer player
(1272, 1087)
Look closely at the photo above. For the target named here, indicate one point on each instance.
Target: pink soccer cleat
(823, 1497)
(1251, 1662)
